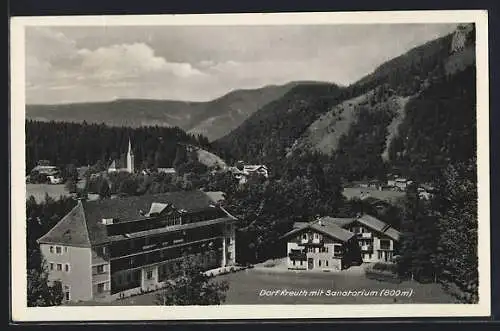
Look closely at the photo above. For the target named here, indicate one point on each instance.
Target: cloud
(54, 63)
(130, 60)
(194, 63)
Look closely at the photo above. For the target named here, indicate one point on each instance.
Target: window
(58, 249)
(149, 274)
(326, 263)
(304, 236)
(100, 269)
(385, 244)
(337, 250)
(319, 263)
(67, 293)
(66, 267)
(65, 249)
(301, 262)
(51, 249)
(59, 267)
(316, 236)
(100, 288)
(293, 262)
(51, 266)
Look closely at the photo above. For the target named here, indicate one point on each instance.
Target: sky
(201, 63)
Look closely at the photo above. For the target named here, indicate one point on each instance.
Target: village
(137, 242)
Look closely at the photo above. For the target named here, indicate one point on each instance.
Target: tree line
(83, 144)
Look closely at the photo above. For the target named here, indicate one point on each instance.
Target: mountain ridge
(226, 112)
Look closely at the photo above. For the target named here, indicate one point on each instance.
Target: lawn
(39, 191)
(246, 286)
(54, 191)
(355, 192)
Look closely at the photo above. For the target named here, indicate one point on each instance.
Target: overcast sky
(78, 64)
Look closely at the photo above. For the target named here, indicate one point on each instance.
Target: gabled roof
(71, 230)
(85, 220)
(378, 225)
(370, 222)
(120, 163)
(324, 226)
(298, 225)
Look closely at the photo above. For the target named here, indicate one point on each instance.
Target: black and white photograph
(250, 166)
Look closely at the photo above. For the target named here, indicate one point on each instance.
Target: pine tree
(458, 255)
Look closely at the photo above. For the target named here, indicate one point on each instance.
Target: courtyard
(275, 285)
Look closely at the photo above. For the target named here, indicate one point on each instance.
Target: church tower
(130, 158)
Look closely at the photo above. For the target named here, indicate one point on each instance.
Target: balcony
(297, 255)
(365, 248)
(312, 242)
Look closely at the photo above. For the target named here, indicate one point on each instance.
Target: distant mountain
(213, 118)
(375, 123)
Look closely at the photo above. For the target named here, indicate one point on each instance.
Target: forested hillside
(412, 111)
(267, 135)
(439, 127)
(86, 144)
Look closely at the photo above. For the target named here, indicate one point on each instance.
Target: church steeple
(130, 157)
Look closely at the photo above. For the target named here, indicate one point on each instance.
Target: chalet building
(321, 245)
(333, 244)
(242, 172)
(125, 163)
(106, 249)
(377, 240)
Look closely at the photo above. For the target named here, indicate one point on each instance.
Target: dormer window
(107, 221)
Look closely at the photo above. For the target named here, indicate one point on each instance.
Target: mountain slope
(323, 135)
(224, 114)
(269, 132)
(373, 124)
(212, 119)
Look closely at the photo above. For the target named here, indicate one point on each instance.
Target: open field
(39, 191)
(54, 191)
(355, 192)
(245, 288)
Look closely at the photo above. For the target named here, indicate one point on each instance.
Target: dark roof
(87, 216)
(371, 222)
(340, 221)
(298, 225)
(378, 225)
(325, 226)
(70, 230)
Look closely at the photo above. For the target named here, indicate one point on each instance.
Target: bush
(389, 267)
(269, 264)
